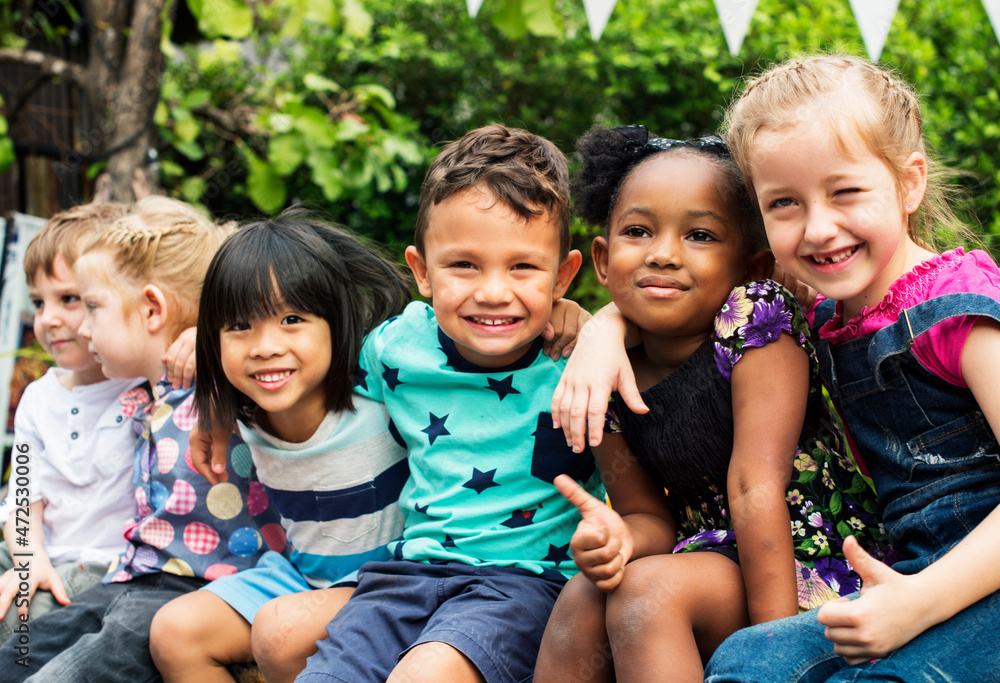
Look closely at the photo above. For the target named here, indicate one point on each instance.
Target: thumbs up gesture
(602, 544)
(886, 616)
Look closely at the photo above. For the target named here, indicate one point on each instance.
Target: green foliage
(349, 99)
(6, 145)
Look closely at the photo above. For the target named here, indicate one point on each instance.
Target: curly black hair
(610, 155)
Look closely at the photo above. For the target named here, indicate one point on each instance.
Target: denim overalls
(935, 464)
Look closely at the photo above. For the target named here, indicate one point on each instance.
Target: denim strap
(914, 321)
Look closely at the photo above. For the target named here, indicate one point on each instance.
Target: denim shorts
(495, 616)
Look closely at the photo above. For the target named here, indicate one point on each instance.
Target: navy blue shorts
(495, 616)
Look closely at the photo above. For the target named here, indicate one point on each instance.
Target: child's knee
(269, 634)
(170, 639)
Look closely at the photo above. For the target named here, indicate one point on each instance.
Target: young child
(285, 306)
(833, 150)
(71, 432)
(739, 431)
(485, 546)
(139, 282)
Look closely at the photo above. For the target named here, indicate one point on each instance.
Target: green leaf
(228, 18)
(358, 171)
(286, 152)
(193, 188)
(326, 173)
(191, 150)
(404, 148)
(383, 183)
(349, 128)
(186, 128)
(322, 12)
(372, 92)
(843, 530)
(95, 169)
(319, 83)
(3, 125)
(6, 153)
(357, 22)
(836, 505)
(264, 186)
(162, 114)
(316, 129)
(541, 18)
(196, 98)
(171, 169)
(509, 20)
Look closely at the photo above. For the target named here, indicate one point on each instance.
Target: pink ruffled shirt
(940, 348)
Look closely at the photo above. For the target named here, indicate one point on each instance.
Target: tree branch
(48, 67)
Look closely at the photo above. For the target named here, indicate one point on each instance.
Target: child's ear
(419, 269)
(760, 266)
(567, 271)
(599, 255)
(914, 181)
(154, 308)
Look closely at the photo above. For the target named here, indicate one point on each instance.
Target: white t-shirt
(80, 454)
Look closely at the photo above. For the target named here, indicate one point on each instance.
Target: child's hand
(803, 292)
(564, 324)
(206, 458)
(602, 544)
(42, 575)
(179, 359)
(888, 614)
(597, 367)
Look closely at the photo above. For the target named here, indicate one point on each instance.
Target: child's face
(674, 249)
(281, 363)
(114, 331)
(492, 275)
(835, 219)
(58, 315)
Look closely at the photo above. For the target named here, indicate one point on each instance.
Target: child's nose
(266, 344)
(492, 289)
(820, 226)
(664, 252)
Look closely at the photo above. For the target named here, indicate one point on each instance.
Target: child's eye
(461, 264)
(238, 326)
(37, 303)
(90, 306)
(635, 231)
(70, 298)
(782, 202)
(848, 190)
(701, 236)
(292, 319)
(524, 266)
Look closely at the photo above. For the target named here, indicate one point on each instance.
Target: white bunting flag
(735, 16)
(993, 10)
(874, 19)
(598, 13)
(473, 6)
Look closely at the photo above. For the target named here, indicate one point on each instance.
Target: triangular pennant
(473, 6)
(598, 13)
(874, 18)
(735, 16)
(993, 10)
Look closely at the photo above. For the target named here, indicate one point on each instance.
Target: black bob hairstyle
(309, 265)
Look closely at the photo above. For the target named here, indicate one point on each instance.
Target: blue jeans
(794, 650)
(76, 578)
(102, 636)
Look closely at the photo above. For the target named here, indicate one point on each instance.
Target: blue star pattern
(421, 510)
(551, 456)
(449, 542)
(391, 377)
(481, 480)
(557, 554)
(504, 387)
(520, 518)
(435, 428)
(360, 377)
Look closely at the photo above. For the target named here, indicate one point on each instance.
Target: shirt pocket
(349, 513)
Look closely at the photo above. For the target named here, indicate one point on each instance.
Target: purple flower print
(725, 359)
(837, 575)
(761, 287)
(734, 313)
(770, 320)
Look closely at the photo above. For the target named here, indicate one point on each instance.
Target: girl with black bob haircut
(284, 308)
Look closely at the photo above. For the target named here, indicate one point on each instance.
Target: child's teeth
(274, 377)
(835, 259)
(492, 321)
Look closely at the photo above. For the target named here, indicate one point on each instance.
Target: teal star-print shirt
(482, 450)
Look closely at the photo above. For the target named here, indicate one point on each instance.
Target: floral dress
(685, 442)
